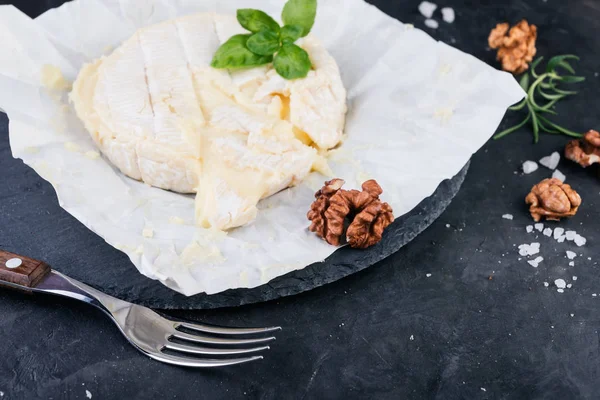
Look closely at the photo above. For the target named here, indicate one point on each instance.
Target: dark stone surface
(385, 332)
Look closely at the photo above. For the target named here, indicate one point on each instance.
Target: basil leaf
(290, 33)
(301, 13)
(234, 54)
(263, 43)
(256, 21)
(292, 62)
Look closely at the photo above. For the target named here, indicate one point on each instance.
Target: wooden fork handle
(20, 270)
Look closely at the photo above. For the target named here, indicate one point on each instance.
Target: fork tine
(226, 331)
(208, 351)
(216, 340)
(199, 362)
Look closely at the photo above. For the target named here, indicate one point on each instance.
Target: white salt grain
(529, 249)
(548, 232)
(551, 161)
(427, 9)
(535, 263)
(571, 255)
(447, 225)
(508, 216)
(428, 275)
(574, 278)
(572, 264)
(529, 167)
(569, 286)
(412, 337)
(580, 240)
(560, 290)
(448, 14)
(570, 235)
(88, 394)
(431, 23)
(572, 315)
(558, 232)
(559, 175)
(561, 239)
(539, 227)
(560, 283)
(546, 284)
(594, 294)
(529, 228)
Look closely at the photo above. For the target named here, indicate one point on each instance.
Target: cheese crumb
(551, 161)
(535, 263)
(529, 167)
(571, 255)
(92, 155)
(448, 14)
(148, 233)
(559, 175)
(580, 240)
(539, 227)
(529, 228)
(427, 9)
(53, 79)
(139, 249)
(548, 232)
(72, 147)
(560, 283)
(176, 221)
(558, 232)
(432, 23)
(508, 216)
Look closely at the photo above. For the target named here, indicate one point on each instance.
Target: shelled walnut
(365, 213)
(553, 199)
(516, 50)
(586, 151)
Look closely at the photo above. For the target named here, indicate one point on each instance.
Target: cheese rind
(162, 115)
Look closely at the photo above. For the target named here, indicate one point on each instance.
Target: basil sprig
(270, 43)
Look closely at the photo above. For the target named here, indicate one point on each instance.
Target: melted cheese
(162, 115)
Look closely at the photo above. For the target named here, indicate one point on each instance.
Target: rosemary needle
(544, 88)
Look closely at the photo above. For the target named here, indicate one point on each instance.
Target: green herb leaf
(555, 61)
(290, 33)
(263, 43)
(524, 82)
(566, 66)
(234, 54)
(519, 106)
(256, 21)
(534, 65)
(512, 129)
(301, 13)
(571, 79)
(292, 62)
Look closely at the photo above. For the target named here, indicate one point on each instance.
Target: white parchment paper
(418, 110)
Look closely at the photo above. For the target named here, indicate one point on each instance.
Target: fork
(149, 332)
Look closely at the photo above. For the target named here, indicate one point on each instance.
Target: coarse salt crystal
(560, 290)
(561, 239)
(529, 228)
(508, 216)
(539, 227)
(574, 278)
(580, 240)
(558, 232)
(546, 284)
(569, 286)
(447, 225)
(535, 263)
(88, 394)
(572, 315)
(594, 294)
(570, 235)
(448, 14)
(571, 255)
(559, 175)
(572, 264)
(431, 23)
(529, 167)
(428, 275)
(560, 283)
(529, 249)
(551, 161)
(548, 232)
(427, 9)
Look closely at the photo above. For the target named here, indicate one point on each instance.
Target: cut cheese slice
(162, 115)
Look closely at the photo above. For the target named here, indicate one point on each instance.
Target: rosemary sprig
(545, 88)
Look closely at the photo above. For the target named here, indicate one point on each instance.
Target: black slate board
(82, 255)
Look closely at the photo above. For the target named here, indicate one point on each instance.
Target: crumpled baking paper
(418, 110)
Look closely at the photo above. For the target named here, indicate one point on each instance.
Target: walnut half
(585, 152)
(553, 199)
(366, 214)
(516, 50)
